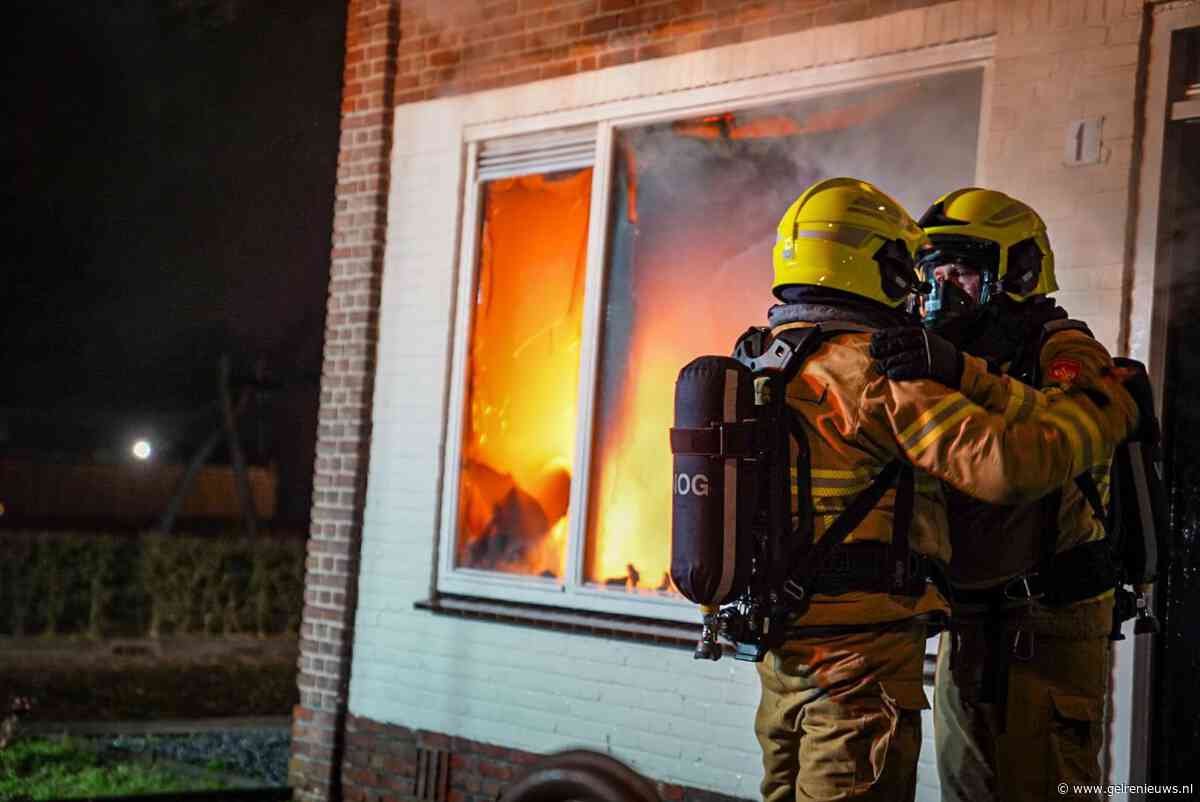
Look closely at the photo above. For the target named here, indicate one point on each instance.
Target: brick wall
(458, 46)
(1071, 59)
(347, 386)
(381, 766)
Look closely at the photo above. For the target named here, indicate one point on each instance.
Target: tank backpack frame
(742, 547)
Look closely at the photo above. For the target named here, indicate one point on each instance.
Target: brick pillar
(347, 389)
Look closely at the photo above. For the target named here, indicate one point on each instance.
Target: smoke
(696, 205)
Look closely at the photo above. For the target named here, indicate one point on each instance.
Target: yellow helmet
(847, 235)
(1006, 237)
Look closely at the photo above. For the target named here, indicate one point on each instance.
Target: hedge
(103, 585)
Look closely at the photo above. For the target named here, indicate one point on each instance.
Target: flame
(694, 288)
(631, 495)
(519, 438)
(697, 272)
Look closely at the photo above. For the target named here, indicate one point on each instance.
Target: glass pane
(522, 377)
(696, 203)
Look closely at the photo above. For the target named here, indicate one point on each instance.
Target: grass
(41, 768)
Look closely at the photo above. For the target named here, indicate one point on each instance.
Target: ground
(76, 679)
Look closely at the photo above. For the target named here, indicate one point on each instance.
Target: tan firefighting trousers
(1050, 728)
(840, 716)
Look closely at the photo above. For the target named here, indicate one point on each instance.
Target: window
(522, 374)
(596, 262)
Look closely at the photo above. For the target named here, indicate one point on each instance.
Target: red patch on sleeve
(1063, 370)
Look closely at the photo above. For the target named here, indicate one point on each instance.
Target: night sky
(171, 200)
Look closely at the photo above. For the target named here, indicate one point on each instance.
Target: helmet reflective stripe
(846, 235)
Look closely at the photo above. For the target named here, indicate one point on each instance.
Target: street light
(141, 449)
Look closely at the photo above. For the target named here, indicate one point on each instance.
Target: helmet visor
(960, 285)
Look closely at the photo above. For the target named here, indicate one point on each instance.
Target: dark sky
(171, 200)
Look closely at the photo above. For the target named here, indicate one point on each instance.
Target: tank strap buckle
(729, 440)
(795, 591)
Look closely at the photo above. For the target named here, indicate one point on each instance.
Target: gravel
(255, 754)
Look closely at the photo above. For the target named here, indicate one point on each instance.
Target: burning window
(689, 209)
(523, 374)
(695, 203)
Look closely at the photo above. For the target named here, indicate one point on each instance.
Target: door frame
(1146, 338)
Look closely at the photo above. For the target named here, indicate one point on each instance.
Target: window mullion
(593, 299)
(461, 326)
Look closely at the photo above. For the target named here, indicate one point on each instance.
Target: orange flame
(519, 436)
(631, 482)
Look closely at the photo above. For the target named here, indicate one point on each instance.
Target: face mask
(946, 302)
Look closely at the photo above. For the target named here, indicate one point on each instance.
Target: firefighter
(1021, 681)
(840, 712)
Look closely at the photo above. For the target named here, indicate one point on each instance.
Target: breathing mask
(947, 302)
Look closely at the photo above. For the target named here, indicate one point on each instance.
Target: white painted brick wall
(1057, 62)
(671, 717)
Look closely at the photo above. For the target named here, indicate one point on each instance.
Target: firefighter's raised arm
(1023, 444)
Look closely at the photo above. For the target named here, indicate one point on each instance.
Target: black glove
(911, 352)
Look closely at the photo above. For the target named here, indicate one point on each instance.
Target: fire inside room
(694, 204)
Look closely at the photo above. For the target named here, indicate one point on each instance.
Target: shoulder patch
(1063, 370)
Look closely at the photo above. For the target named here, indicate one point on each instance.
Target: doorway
(1175, 725)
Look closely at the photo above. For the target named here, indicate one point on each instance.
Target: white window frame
(570, 591)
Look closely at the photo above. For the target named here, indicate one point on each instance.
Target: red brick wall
(381, 762)
(347, 384)
(455, 46)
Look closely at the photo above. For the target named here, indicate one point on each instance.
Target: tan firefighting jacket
(1071, 361)
(996, 439)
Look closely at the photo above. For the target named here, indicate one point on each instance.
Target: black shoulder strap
(902, 515)
(1087, 486)
(1048, 541)
(803, 342)
(853, 516)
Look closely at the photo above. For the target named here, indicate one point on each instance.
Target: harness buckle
(1020, 585)
(1023, 646)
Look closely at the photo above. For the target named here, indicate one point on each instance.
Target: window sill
(604, 625)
